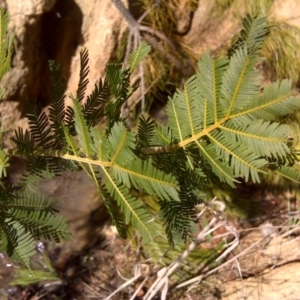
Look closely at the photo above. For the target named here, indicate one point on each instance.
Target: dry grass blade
(216, 222)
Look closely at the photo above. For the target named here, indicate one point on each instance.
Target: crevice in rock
(60, 36)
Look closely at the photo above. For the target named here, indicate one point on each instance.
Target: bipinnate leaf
(222, 112)
(39, 126)
(290, 172)
(133, 209)
(121, 144)
(143, 175)
(95, 103)
(252, 35)
(222, 127)
(6, 45)
(83, 74)
(82, 128)
(20, 244)
(138, 55)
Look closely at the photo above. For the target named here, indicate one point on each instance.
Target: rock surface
(274, 271)
(57, 30)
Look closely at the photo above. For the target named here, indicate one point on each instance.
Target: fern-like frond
(24, 142)
(83, 74)
(221, 127)
(138, 55)
(30, 200)
(81, 127)
(209, 84)
(94, 106)
(219, 168)
(6, 44)
(82, 85)
(175, 222)
(162, 136)
(291, 173)
(265, 138)
(42, 224)
(19, 244)
(69, 120)
(276, 101)
(70, 140)
(183, 111)
(121, 145)
(39, 126)
(100, 144)
(119, 84)
(252, 35)
(193, 180)
(145, 133)
(133, 209)
(222, 112)
(143, 175)
(242, 159)
(116, 216)
(171, 163)
(179, 216)
(25, 216)
(241, 82)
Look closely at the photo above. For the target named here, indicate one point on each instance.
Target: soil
(265, 264)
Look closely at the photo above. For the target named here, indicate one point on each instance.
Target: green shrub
(220, 128)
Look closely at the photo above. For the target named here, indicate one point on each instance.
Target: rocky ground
(97, 264)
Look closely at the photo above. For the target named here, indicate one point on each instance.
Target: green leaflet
(138, 55)
(81, 128)
(291, 173)
(265, 138)
(143, 175)
(276, 100)
(100, 144)
(209, 85)
(95, 102)
(121, 144)
(70, 140)
(183, 111)
(39, 126)
(219, 168)
(133, 209)
(252, 35)
(19, 243)
(84, 71)
(240, 81)
(6, 45)
(28, 217)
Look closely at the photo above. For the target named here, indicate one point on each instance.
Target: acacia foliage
(221, 127)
